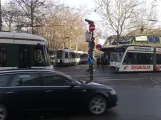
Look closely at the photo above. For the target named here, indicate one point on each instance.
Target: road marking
(155, 81)
(108, 79)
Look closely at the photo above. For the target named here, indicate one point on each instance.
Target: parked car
(33, 89)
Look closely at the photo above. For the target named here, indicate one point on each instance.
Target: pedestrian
(103, 63)
(61, 62)
(98, 62)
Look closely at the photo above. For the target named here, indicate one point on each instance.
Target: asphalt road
(120, 79)
(139, 95)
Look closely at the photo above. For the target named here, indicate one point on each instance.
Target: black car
(33, 89)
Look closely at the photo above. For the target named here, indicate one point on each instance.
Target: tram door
(25, 60)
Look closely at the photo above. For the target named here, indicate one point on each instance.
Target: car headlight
(112, 92)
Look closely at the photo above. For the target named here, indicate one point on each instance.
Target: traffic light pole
(91, 65)
(91, 49)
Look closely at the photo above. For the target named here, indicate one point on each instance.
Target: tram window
(66, 54)
(130, 58)
(145, 58)
(158, 58)
(72, 55)
(78, 55)
(138, 58)
(3, 57)
(59, 54)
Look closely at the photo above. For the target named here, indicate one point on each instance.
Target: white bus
(70, 57)
(22, 50)
(136, 58)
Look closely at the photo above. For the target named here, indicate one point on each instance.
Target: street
(139, 95)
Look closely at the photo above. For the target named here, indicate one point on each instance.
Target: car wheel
(97, 105)
(3, 112)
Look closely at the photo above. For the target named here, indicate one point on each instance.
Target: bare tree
(116, 13)
(64, 29)
(9, 14)
(145, 17)
(33, 13)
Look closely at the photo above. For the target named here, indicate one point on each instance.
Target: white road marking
(108, 79)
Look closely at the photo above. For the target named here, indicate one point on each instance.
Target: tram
(135, 57)
(70, 57)
(23, 50)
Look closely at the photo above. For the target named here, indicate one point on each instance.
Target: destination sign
(141, 38)
(143, 48)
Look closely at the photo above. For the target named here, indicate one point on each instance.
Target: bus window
(3, 57)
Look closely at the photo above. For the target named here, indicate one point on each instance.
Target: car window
(55, 80)
(4, 80)
(28, 79)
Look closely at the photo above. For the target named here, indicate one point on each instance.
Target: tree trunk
(118, 38)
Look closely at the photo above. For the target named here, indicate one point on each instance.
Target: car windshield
(70, 78)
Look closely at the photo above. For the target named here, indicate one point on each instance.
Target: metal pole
(0, 17)
(32, 30)
(91, 54)
(91, 48)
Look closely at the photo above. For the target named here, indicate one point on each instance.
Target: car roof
(33, 70)
(25, 70)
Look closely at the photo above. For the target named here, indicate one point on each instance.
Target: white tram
(23, 50)
(70, 57)
(137, 57)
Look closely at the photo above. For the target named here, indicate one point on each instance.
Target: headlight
(113, 92)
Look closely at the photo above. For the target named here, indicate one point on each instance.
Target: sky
(90, 5)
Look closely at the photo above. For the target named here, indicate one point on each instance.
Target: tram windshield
(41, 56)
(116, 56)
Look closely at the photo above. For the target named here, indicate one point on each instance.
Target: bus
(23, 50)
(70, 57)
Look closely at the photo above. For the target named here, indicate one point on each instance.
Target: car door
(25, 91)
(57, 88)
(63, 92)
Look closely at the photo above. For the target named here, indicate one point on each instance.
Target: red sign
(98, 46)
(140, 67)
(92, 38)
(91, 27)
